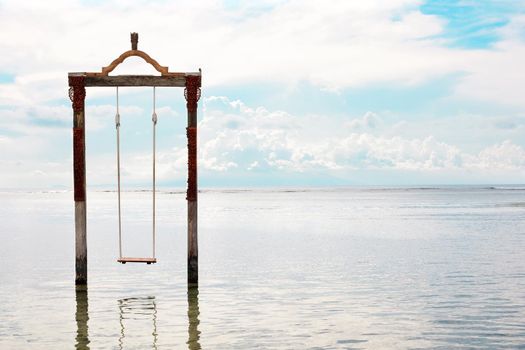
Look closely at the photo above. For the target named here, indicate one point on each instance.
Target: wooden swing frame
(78, 81)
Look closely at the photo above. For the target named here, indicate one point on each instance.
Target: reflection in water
(137, 309)
(82, 317)
(193, 319)
(132, 311)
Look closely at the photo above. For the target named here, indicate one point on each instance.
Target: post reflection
(133, 313)
(82, 317)
(193, 319)
(137, 311)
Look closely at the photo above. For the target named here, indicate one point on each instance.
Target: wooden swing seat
(137, 260)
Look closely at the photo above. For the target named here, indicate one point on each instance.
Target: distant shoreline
(358, 188)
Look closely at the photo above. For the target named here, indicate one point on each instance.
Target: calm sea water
(405, 268)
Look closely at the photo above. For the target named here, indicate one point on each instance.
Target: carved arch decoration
(108, 69)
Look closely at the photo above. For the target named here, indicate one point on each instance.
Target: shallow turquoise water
(420, 268)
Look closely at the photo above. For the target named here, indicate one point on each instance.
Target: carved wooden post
(192, 95)
(77, 94)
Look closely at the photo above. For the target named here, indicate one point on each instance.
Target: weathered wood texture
(193, 247)
(79, 163)
(136, 80)
(137, 260)
(77, 94)
(80, 243)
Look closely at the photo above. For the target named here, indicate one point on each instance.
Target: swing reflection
(133, 313)
(137, 310)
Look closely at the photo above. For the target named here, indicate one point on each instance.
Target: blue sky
(473, 24)
(295, 93)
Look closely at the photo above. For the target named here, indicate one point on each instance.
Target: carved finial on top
(134, 40)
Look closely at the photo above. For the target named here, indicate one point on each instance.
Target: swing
(122, 259)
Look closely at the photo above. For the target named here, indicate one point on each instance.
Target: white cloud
(235, 139)
(348, 44)
(504, 156)
(284, 142)
(345, 44)
(498, 75)
(368, 121)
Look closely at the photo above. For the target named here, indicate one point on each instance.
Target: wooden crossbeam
(178, 80)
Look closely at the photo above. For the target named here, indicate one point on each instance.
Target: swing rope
(154, 120)
(117, 125)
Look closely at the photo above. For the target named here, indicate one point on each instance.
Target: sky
(295, 93)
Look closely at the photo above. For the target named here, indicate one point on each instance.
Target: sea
(431, 267)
